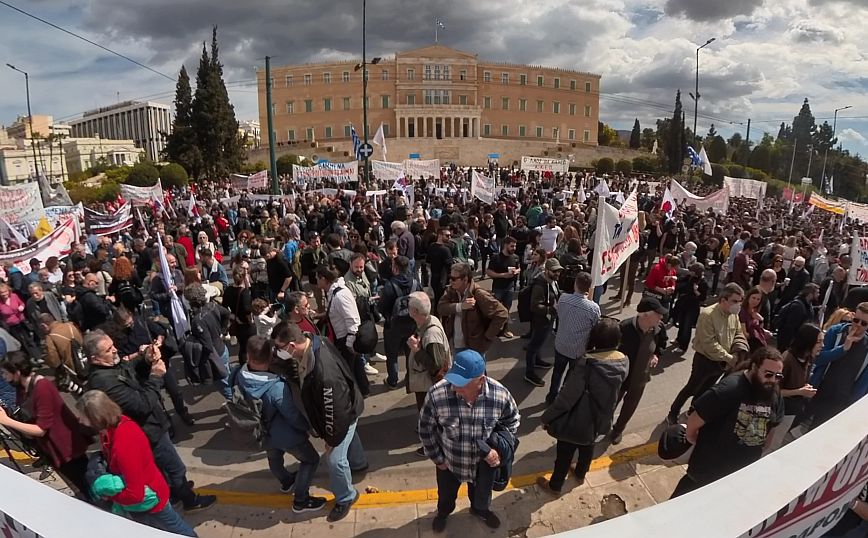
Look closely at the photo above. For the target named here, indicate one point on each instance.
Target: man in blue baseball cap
(464, 417)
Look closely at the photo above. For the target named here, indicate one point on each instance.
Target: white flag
(706, 163)
(191, 207)
(380, 140)
(580, 193)
(602, 188)
(179, 317)
(9, 232)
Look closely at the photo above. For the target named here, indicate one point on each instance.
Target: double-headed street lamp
(364, 68)
(826, 154)
(29, 114)
(696, 95)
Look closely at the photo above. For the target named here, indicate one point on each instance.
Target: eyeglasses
(773, 375)
(862, 322)
(454, 278)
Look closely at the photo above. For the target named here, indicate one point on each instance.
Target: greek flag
(357, 144)
(695, 160)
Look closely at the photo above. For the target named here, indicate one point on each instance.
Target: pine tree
(676, 137)
(636, 135)
(181, 145)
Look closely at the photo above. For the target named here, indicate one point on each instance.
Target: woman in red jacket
(128, 455)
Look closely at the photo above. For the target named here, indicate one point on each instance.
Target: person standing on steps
(460, 412)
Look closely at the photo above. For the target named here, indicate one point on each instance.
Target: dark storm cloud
(711, 10)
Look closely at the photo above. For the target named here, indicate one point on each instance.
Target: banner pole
(624, 284)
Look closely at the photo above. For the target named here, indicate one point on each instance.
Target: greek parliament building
(434, 92)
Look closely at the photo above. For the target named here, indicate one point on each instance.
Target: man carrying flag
(175, 312)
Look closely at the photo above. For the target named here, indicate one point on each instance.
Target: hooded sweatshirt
(286, 426)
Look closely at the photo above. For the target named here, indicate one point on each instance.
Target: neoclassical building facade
(432, 92)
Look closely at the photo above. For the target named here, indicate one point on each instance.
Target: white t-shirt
(549, 237)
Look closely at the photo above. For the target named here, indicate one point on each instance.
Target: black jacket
(130, 385)
(543, 302)
(94, 309)
(792, 316)
(208, 324)
(631, 338)
(332, 400)
(396, 287)
(506, 444)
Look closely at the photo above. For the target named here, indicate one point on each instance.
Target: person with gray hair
(406, 242)
(42, 303)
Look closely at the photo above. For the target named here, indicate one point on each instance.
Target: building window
(429, 97)
(586, 136)
(348, 131)
(486, 129)
(385, 101)
(411, 74)
(385, 129)
(308, 105)
(436, 72)
(522, 80)
(462, 99)
(504, 103)
(557, 83)
(504, 130)
(522, 105)
(384, 75)
(326, 78)
(539, 132)
(486, 76)
(346, 103)
(504, 78)
(572, 109)
(307, 79)
(462, 75)
(411, 98)
(346, 76)
(487, 102)
(310, 133)
(327, 104)
(522, 131)
(289, 107)
(446, 73)
(290, 135)
(540, 106)
(571, 134)
(288, 81)
(446, 97)
(587, 87)
(556, 107)
(328, 132)
(427, 72)
(539, 80)
(587, 111)
(573, 85)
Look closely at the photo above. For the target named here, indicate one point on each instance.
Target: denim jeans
(562, 364)
(538, 336)
(166, 520)
(479, 492)
(169, 462)
(348, 455)
(308, 461)
(225, 388)
(598, 293)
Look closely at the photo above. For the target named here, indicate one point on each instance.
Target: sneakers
(546, 486)
(390, 385)
(490, 518)
(439, 523)
(421, 452)
(543, 364)
(370, 370)
(187, 418)
(508, 334)
(201, 503)
(534, 380)
(312, 504)
(616, 436)
(377, 357)
(342, 510)
(289, 486)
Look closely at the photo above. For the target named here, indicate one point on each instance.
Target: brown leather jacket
(481, 324)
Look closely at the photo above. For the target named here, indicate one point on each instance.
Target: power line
(73, 34)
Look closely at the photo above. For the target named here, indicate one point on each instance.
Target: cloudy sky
(767, 57)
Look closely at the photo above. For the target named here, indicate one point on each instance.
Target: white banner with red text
(859, 261)
(616, 238)
(58, 243)
(259, 180)
(139, 196)
(482, 187)
(544, 164)
(411, 168)
(338, 172)
(718, 200)
(745, 188)
(21, 203)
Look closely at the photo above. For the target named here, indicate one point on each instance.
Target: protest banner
(386, 171)
(58, 243)
(21, 203)
(108, 223)
(139, 196)
(415, 168)
(859, 261)
(55, 212)
(616, 237)
(338, 172)
(238, 181)
(259, 180)
(482, 187)
(857, 212)
(745, 188)
(544, 164)
(825, 204)
(718, 200)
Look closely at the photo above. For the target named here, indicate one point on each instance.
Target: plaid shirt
(449, 427)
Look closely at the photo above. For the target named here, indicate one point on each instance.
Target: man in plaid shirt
(460, 413)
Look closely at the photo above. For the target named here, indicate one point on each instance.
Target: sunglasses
(862, 322)
(773, 375)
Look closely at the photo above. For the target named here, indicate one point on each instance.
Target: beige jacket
(718, 335)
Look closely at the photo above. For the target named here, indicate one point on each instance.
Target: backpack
(245, 415)
(401, 307)
(79, 359)
(129, 295)
(524, 311)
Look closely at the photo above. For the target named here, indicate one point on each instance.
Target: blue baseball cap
(467, 365)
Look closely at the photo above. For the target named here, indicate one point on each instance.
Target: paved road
(216, 459)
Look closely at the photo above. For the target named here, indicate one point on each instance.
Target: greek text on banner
(543, 164)
(21, 203)
(617, 237)
(482, 187)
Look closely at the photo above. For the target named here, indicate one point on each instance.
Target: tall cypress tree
(232, 154)
(636, 135)
(675, 148)
(181, 145)
(205, 117)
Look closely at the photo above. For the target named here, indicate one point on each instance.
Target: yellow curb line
(385, 499)
(20, 457)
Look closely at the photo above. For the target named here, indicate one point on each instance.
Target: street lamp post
(365, 82)
(29, 114)
(826, 154)
(696, 95)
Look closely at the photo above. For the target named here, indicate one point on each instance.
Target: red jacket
(129, 455)
(191, 252)
(657, 274)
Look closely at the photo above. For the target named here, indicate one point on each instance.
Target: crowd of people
(280, 298)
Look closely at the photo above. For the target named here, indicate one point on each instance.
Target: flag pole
(436, 28)
(624, 285)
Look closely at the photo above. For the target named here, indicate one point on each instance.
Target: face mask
(734, 309)
(283, 354)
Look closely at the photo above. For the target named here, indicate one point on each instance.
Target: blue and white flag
(694, 157)
(179, 317)
(357, 144)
